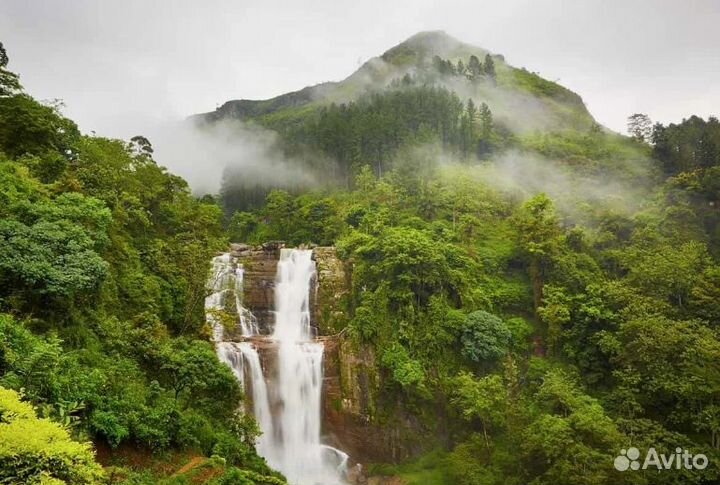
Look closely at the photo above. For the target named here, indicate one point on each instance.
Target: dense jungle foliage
(103, 265)
(553, 332)
(533, 334)
(552, 343)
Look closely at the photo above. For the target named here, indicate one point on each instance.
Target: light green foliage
(484, 399)
(676, 364)
(405, 371)
(555, 313)
(572, 440)
(539, 239)
(667, 271)
(38, 451)
(536, 85)
(705, 295)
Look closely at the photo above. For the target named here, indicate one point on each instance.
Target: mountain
(431, 90)
(493, 304)
(521, 99)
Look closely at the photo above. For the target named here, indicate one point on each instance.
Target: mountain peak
(427, 44)
(431, 37)
(510, 94)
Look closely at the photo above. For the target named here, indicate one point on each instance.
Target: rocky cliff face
(351, 376)
(260, 266)
(332, 286)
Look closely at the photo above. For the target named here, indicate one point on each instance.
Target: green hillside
(415, 56)
(428, 90)
(531, 292)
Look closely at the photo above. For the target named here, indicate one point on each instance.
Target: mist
(576, 193)
(203, 154)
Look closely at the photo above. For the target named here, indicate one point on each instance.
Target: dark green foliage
(489, 67)
(374, 131)
(29, 127)
(485, 337)
(640, 127)
(540, 334)
(104, 258)
(692, 144)
(9, 82)
(50, 250)
(475, 68)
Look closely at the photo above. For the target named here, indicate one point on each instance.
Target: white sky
(121, 66)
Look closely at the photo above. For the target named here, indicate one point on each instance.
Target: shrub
(36, 450)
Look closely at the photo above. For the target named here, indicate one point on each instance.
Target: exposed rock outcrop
(260, 266)
(351, 386)
(331, 289)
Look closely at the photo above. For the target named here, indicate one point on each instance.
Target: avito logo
(629, 460)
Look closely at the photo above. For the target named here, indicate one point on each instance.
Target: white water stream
(287, 406)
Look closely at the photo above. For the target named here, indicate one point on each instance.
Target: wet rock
(260, 266)
(351, 374)
(331, 289)
(356, 475)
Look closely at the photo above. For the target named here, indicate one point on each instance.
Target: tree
(141, 146)
(486, 130)
(29, 127)
(539, 233)
(474, 67)
(48, 263)
(640, 127)
(468, 127)
(484, 400)
(683, 147)
(192, 371)
(555, 313)
(489, 67)
(241, 226)
(667, 271)
(572, 440)
(485, 337)
(705, 295)
(9, 82)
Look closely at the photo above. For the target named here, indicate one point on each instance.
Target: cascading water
(291, 435)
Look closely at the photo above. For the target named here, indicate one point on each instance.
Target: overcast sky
(120, 66)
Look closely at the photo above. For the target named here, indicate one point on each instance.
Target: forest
(542, 330)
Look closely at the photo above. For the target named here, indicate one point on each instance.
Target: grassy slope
(515, 87)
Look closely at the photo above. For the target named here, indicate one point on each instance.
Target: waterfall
(286, 405)
(295, 447)
(259, 393)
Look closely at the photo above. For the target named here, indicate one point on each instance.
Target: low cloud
(202, 154)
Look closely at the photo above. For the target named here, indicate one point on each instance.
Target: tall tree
(9, 82)
(486, 128)
(640, 127)
(539, 231)
(474, 67)
(489, 67)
